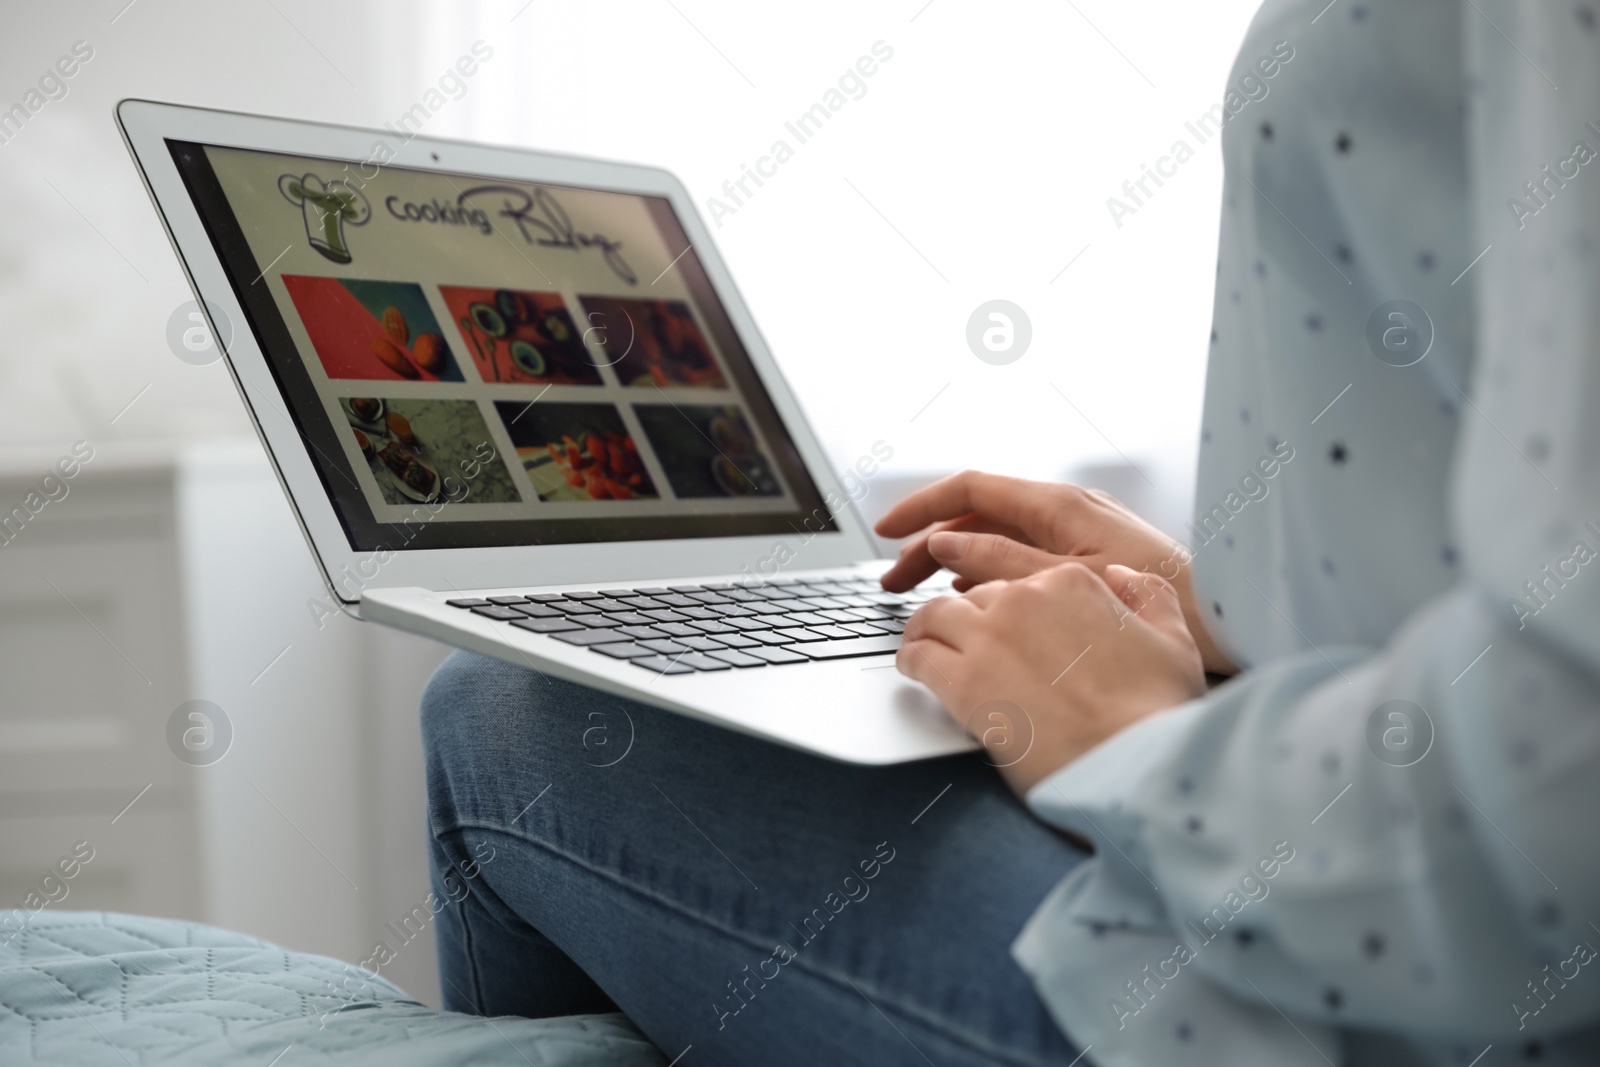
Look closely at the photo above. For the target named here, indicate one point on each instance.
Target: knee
(458, 692)
(475, 703)
(486, 723)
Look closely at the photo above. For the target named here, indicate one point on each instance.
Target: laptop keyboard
(718, 626)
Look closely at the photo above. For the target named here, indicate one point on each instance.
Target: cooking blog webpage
(541, 357)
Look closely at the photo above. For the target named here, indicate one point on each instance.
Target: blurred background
(976, 166)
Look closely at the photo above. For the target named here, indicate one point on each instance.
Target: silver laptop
(519, 406)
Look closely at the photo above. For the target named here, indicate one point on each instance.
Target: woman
(1365, 848)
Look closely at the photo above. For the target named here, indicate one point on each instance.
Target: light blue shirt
(1376, 845)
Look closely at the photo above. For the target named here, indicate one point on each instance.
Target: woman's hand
(1043, 668)
(986, 527)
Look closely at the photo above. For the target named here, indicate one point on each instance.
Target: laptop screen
(474, 362)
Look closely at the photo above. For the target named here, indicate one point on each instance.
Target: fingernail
(949, 545)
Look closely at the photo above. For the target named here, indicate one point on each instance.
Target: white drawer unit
(92, 662)
(163, 577)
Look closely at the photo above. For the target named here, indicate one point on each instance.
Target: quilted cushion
(91, 988)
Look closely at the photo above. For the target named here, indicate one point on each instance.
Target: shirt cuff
(1097, 794)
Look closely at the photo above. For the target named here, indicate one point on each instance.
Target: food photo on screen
(652, 342)
(708, 450)
(520, 337)
(421, 451)
(576, 451)
(372, 330)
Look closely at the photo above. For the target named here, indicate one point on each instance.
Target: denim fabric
(757, 903)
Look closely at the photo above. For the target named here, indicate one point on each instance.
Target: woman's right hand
(986, 527)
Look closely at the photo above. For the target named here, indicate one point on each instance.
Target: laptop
(519, 407)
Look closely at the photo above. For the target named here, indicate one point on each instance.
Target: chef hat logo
(326, 208)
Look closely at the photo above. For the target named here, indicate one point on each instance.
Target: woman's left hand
(1042, 669)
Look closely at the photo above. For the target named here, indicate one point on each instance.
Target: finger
(948, 619)
(987, 557)
(1148, 595)
(1076, 583)
(930, 662)
(1024, 504)
(985, 595)
(916, 564)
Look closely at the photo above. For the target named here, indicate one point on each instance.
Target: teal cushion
(91, 988)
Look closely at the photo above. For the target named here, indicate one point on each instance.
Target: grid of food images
(369, 334)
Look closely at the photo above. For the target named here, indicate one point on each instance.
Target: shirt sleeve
(1354, 845)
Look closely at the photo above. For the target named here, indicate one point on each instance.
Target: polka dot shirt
(1373, 846)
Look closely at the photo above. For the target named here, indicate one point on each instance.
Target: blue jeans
(760, 904)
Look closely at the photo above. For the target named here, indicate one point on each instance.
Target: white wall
(990, 142)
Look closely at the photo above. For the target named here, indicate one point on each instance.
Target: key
(538, 611)
(771, 637)
(468, 602)
(705, 644)
(735, 658)
(661, 665)
(800, 633)
(831, 632)
(508, 600)
(584, 636)
(495, 611)
(701, 661)
(630, 618)
(621, 650)
(777, 655)
(680, 629)
(665, 615)
(865, 629)
(729, 641)
(860, 646)
(668, 647)
(546, 626)
(641, 633)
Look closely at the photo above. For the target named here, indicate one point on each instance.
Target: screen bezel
(147, 126)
